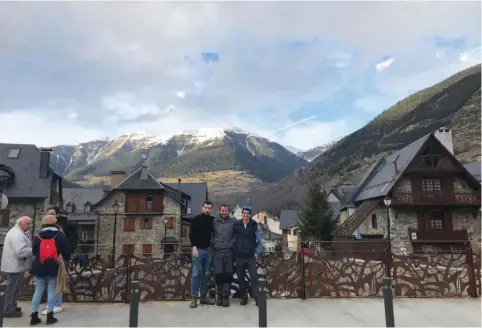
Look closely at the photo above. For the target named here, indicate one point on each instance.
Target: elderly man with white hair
(16, 259)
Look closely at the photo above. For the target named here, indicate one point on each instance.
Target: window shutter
(126, 224)
(170, 223)
(128, 249)
(147, 249)
(158, 203)
(149, 224)
(142, 223)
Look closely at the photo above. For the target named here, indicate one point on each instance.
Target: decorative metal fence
(289, 274)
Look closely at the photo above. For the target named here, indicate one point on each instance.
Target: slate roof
(288, 219)
(383, 176)
(197, 191)
(134, 182)
(474, 169)
(26, 168)
(348, 227)
(81, 196)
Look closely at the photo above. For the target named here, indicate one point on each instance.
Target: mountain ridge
(453, 102)
(190, 152)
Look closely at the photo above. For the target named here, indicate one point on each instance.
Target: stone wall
(466, 218)
(34, 209)
(462, 186)
(139, 236)
(403, 185)
(403, 219)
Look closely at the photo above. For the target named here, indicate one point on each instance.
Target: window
(5, 215)
(431, 186)
(87, 208)
(70, 207)
(13, 153)
(437, 220)
(189, 211)
(149, 203)
(129, 224)
(128, 249)
(170, 223)
(295, 232)
(374, 221)
(147, 249)
(145, 223)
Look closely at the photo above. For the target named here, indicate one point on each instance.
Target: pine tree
(316, 217)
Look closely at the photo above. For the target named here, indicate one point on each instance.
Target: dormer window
(13, 153)
(87, 208)
(70, 207)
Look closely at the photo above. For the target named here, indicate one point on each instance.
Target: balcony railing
(439, 236)
(458, 198)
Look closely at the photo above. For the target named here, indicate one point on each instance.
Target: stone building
(430, 198)
(78, 206)
(140, 216)
(29, 182)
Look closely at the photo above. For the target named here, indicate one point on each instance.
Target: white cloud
(383, 65)
(120, 77)
(314, 133)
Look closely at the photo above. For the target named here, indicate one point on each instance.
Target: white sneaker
(57, 309)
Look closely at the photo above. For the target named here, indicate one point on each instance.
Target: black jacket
(246, 240)
(49, 268)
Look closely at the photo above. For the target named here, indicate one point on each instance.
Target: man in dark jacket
(248, 248)
(46, 273)
(222, 244)
(200, 236)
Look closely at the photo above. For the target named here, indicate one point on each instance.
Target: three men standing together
(222, 240)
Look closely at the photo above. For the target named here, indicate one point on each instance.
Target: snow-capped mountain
(310, 154)
(294, 150)
(189, 152)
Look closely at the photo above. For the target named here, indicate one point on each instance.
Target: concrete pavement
(456, 312)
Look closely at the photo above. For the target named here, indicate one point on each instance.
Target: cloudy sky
(300, 73)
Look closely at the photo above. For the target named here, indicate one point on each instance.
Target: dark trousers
(12, 291)
(223, 272)
(250, 265)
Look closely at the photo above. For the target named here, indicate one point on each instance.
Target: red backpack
(48, 249)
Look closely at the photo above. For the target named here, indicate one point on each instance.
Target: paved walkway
(463, 312)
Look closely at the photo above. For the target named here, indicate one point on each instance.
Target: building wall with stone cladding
(462, 218)
(33, 209)
(138, 237)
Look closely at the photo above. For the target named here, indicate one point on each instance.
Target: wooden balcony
(455, 199)
(439, 236)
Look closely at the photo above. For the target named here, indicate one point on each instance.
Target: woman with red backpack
(47, 246)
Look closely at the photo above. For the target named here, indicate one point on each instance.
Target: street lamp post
(388, 202)
(115, 207)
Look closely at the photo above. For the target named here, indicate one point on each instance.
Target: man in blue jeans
(200, 236)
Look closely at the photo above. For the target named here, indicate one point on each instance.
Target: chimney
(44, 162)
(106, 189)
(444, 135)
(116, 177)
(144, 172)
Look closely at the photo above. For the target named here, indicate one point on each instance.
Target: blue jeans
(40, 283)
(200, 271)
(58, 300)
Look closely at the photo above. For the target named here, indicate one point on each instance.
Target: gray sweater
(223, 233)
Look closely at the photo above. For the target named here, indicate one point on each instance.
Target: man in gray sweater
(222, 244)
